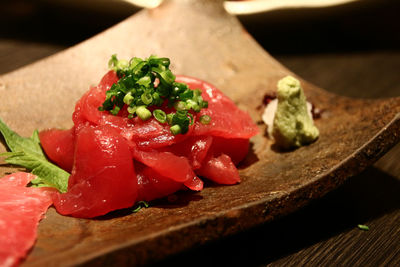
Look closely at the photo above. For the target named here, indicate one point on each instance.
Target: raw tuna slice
(236, 148)
(152, 185)
(59, 146)
(21, 209)
(195, 148)
(219, 169)
(108, 80)
(103, 177)
(227, 120)
(169, 165)
(222, 156)
(86, 109)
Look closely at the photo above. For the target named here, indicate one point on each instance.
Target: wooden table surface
(353, 52)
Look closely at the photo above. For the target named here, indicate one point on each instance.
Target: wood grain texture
(74, 235)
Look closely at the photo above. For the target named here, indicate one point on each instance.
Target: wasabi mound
(293, 126)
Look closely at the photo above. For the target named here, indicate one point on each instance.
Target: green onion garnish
(363, 227)
(160, 115)
(143, 113)
(128, 98)
(140, 205)
(179, 105)
(169, 118)
(146, 98)
(145, 83)
(176, 129)
(205, 119)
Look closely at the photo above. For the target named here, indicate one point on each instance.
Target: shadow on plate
(362, 198)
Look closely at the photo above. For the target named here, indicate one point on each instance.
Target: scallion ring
(146, 98)
(143, 113)
(175, 129)
(205, 119)
(160, 115)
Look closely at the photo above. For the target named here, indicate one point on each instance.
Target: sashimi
(195, 148)
(219, 169)
(103, 177)
(169, 165)
(162, 131)
(59, 146)
(21, 209)
(153, 185)
(227, 119)
(235, 148)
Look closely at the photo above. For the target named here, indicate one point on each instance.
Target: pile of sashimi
(143, 133)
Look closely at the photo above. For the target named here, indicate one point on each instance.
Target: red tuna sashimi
(86, 109)
(108, 80)
(195, 148)
(211, 150)
(152, 185)
(227, 120)
(59, 146)
(103, 177)
(236, 148)
(21, 209)
(171, 166)
(222, 156)
(219, 169)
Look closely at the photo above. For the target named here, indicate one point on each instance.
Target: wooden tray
(203, 41)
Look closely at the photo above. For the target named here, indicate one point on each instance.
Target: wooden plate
(203, 41)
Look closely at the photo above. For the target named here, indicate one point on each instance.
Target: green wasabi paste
(293, 126)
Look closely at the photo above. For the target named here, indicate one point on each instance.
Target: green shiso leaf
(48, 173)
(18, 143)
(27, 153)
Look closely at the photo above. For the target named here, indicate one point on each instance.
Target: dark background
(351, 50)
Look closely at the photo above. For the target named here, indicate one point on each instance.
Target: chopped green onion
(115, 110)
(134, 61)
(205, 119)
(140, 205)
(193, 105)
(132, 110)
(113, 61)
(191, 118)
(146, 98)
(165, 76)
(169, 118)
(160, 115)
(176, 129)
(157, 100)
(187, 94)
(146, 83)
(197, 92)
(181, 118)
(363, 227)
(180, 105)
(128, 98)
(143, 113)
